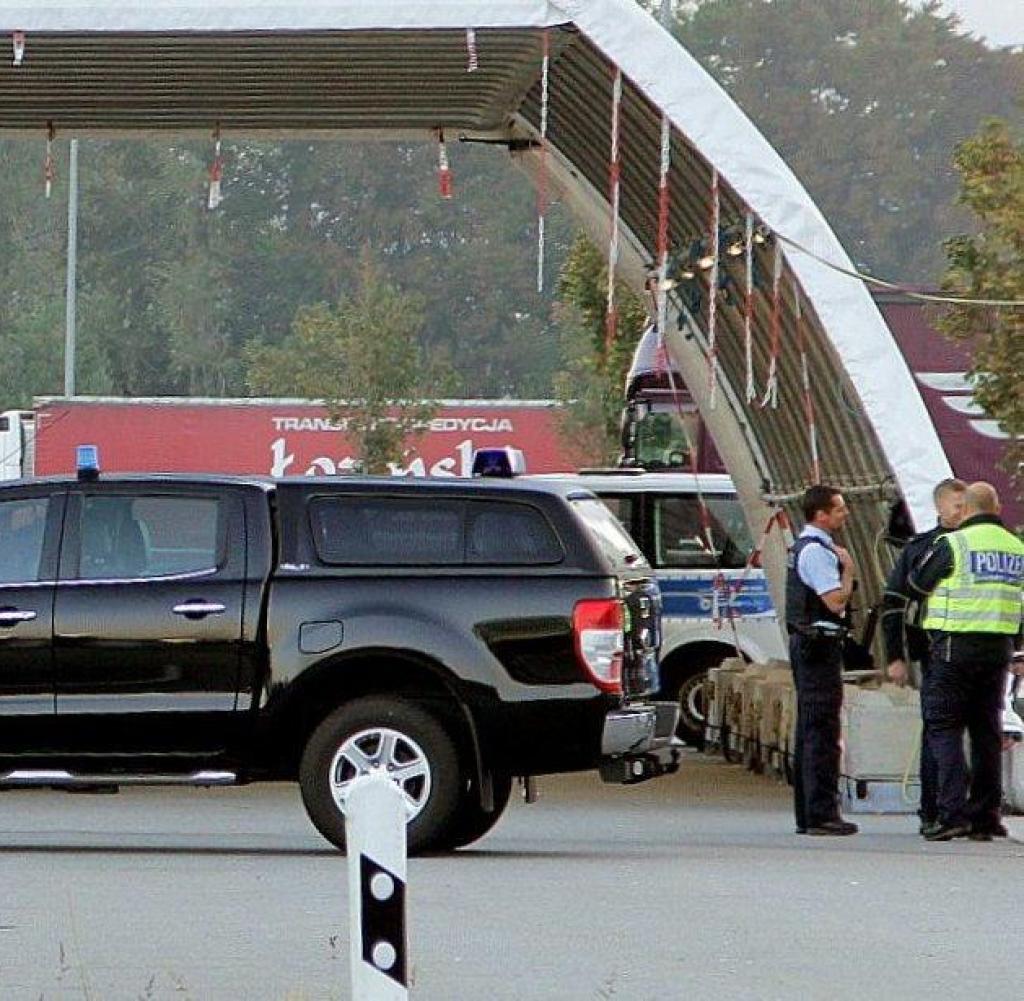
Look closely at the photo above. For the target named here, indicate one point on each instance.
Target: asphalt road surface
(687, 887)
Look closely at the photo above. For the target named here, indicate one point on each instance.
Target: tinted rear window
(510, 534)
(391, 531)
(615, 542)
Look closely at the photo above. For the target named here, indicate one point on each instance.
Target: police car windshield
(615, 542)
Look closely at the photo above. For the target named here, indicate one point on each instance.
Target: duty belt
(819, 632)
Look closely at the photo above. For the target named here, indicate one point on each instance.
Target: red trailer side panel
(280, 439)
(973, 442)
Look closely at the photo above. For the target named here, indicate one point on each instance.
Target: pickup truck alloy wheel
(387, 750)
(402, 739)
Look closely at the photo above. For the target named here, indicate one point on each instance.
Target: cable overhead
(895, 286)
(699, 256)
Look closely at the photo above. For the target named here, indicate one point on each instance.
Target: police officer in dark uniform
(905, 641)
(973, 580)
(819, 582)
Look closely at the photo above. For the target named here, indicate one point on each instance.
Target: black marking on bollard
(382, 902)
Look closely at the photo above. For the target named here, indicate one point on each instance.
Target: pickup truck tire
(391, 733)
(472, 822)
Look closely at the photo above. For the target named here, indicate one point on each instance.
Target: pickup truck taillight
(597, 629)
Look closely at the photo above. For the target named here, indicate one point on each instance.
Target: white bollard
(375, 819)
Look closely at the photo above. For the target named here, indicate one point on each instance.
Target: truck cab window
(22, 525)
(663, 439)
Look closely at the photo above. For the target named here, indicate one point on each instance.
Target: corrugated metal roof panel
(258, 81)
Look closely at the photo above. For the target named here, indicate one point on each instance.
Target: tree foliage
(865, 101)
(990, 265)
(590, 384)
(31, 300)
(364, 357)
(171, 294)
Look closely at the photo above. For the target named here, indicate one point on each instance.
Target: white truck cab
(17, 443)
(713, 603)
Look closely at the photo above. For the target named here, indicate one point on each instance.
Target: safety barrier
(1013, 778)
(751, 713)
(751, 719)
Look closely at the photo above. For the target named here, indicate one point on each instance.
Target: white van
(662, 513)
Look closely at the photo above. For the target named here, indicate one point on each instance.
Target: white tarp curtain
(674, 82)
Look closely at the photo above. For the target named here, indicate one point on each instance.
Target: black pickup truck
(216, 631)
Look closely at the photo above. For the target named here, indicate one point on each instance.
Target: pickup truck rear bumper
(639, 742)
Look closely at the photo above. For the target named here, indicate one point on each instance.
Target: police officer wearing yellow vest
(905, 641)
(973, 580)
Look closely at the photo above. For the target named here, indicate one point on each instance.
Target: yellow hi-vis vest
(984, 592)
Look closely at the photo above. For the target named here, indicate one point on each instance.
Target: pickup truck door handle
(199, 609)
(12, 616)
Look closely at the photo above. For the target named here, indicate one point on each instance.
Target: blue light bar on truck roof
(87, 461)
(503, 462)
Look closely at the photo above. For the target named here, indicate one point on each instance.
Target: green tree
(194, 303)
(170, 293)
(158, 271)
(31, 269)
(592, 378)
(864, 99)
(990, 265)
(363, 357)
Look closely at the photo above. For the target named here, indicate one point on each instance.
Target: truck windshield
(661, 438)
(615, 542)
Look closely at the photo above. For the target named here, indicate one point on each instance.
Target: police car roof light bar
(500, 462)
(87, 462)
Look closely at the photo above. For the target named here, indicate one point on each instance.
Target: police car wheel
(398, 738)
(692, 716)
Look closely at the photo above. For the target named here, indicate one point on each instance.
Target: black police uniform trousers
(928, 810)
(818, 678)
(963, 690)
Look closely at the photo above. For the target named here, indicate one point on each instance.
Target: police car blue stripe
(694, 598)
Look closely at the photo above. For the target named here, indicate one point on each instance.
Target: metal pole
(71, 303)
(666, 14)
